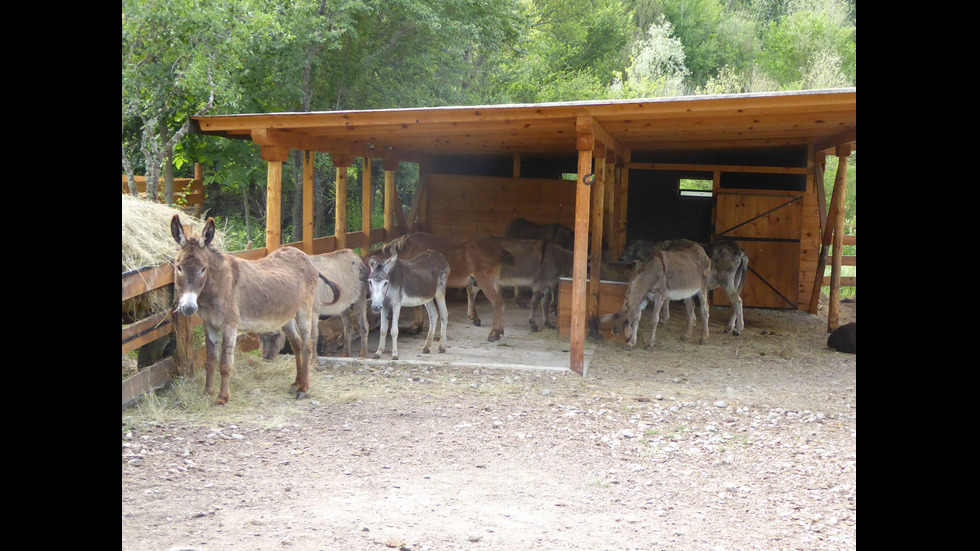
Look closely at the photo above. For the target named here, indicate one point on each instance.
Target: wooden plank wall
(464, 207)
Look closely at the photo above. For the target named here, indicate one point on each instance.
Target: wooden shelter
(611, 170)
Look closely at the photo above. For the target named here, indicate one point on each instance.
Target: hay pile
(146, 239)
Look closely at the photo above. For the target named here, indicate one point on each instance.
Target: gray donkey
(729, 266)
(666, 275)
(420, 281)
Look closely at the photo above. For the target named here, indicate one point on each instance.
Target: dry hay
(146, 238)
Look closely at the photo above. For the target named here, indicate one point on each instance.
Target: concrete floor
(467, 345)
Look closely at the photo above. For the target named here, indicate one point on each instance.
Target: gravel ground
(746, 442)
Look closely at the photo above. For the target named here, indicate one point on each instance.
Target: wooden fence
(846, 260)
(188, 192)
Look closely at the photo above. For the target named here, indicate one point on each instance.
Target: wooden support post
(366, 206)
(610, 230)
(598, 197)
(840, 180)
(308, 202)
(273, 207)
(836, 207)
(185, 346)
(622, 198)
(585, 143)
(391, 202)
(340, 211)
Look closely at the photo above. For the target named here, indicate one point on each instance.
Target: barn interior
(742, 167)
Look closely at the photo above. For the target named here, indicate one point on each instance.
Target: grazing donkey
(729, 266)
(420, 281)
(666, 275)
(480, 258)
(349, 272)
(230, 294)
(537, 264)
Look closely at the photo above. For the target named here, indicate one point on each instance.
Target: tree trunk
(128, 167)
(168, 170)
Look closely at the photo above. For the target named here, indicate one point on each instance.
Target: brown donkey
(231, 295)
(480, 258)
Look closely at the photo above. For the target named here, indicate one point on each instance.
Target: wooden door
(767, 227)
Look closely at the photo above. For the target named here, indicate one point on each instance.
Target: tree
(812, 46)
(177, 55)
(658, 64)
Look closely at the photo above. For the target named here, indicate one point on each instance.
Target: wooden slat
(146, 380)
(145, 331)
(137, 282)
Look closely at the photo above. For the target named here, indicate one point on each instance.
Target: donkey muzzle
(188, 304)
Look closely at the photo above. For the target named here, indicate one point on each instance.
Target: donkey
(729, 266)
(522, 228)
(537, 264)
(666, 275)
(480, 258)
(350, 273)
(230, 294)
(420, 281)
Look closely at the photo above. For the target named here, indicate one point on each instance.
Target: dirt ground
(746, 442)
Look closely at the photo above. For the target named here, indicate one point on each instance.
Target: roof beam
(274, 141)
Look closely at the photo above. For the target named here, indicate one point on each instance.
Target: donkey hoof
(735, 333)
(702, 341)
(394, 357)
(425, 350)
(534, 328)
(442, 349)
(476, 322)
(376, 357)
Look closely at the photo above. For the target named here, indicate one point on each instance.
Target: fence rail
(187, 191)
(846, 260)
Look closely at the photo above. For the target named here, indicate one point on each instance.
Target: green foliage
(307, 55)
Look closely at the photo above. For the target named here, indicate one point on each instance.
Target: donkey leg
(658, 303)
(703, 302)
(301, 351)
(492, 290)
(226, 364)
(737, 323)
(689, 308)
(472, 290)
(430, 308)
(360, 310)
(533, 307)
(384, 332)
(665, 312)
(211, 338)
(345, 317)
(550, 299)
(444, 317)
(395, 313)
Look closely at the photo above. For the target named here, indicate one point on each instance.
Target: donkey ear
(390, 263)
(208, 233)
(373, 262)
(177, 230)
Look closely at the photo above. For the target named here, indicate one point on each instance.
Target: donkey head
(622, 321)
(378, 280)
(191, 264)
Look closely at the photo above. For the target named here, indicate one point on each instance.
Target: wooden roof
(824, 118)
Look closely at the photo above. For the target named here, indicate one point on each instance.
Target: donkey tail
(333, 287)
(741, 271)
